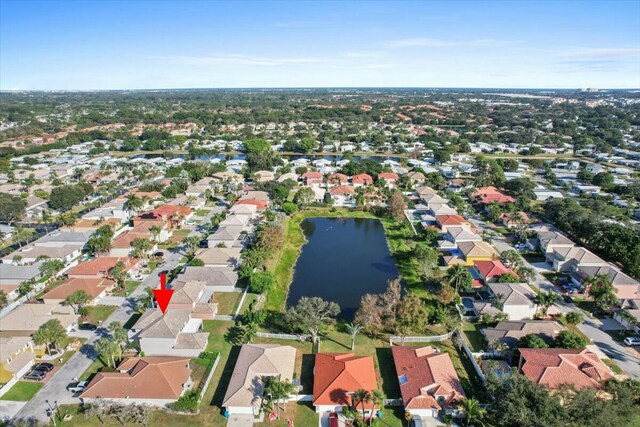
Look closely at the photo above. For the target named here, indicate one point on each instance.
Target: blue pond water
(343, 259)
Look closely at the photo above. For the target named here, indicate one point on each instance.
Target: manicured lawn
(613, 366)
(227, 302)
(95, 367)
(302, 413)
(474, 336)
(98, 314)
(202, 212)
(129, 287)
(22, 391)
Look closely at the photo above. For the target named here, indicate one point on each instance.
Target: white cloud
(257, 61)
(599, 52)
(428, 42)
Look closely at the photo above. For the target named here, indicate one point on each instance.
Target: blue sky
(145, 44)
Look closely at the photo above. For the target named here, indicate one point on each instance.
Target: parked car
(333, 419)
(44, 367)
(567, 299)
(35, 375)
(87, 327)
(632, 341)
(138, 277)
(77, 386)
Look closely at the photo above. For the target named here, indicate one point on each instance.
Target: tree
(507, 278)
(155, 231)
(4, 300)
(353, 329)
(311, 314)
(289, 208)
(108, 350)
(545, 300)
(99, 244)
(133, 203)
(378, 397)
(519, 402)
(527, 274)
(277, 390)
(50, 333)
(370, 314)
(67, 219)
(511, 258)
(361, 397)
(426, 258)
(604, 180)
(574, 318)
(196, 262)
(118, 333)
(459, 277)
(13, 209)
(77, 300)
(396, 206)
(494, 211)
(601, 289)
(257, 145)
(118, 273)
(390, 300)
(304, 197)
(51, 266)
(19, 235)
(532, 341)
(141, 248)
(191, 243)
(412, 313)
(569, 339)
(473, 413)
(261, 282)
(26, 288)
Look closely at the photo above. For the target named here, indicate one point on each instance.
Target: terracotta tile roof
(169, 210)
(337, 374)
(425, 375)
(362, 178)
(142, 378)
(388, 176)
(490, 269)
(93, 287)
(342, 189)
(338, 177)
(99, 266)
(260, 204)
(486, 195)
(450, 220)
(555, 367)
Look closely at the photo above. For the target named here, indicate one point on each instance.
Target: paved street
(56, 387)
(624, 356)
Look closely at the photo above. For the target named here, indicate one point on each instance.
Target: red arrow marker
(163, 295)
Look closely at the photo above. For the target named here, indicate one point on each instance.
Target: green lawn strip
(98, 313)
(613, 366)
(227, 302)
(202, 212)
(95, 367)
(474, 336)
(22, 391)
(129, 287)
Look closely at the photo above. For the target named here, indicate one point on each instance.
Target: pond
(343, 259)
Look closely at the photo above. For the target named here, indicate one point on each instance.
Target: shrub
(196, 262)
(261, 282)
(188, 402)
(289, 208)
(208, 355)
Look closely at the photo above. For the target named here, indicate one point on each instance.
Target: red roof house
(336, 375)
(555, 367)
(491, 270)
(312, 178)
(262, 205)
(445, 221)
(428, 380)
(99, 267)
(486, 195)
(391, 178)
(338, 179)
(362, 179)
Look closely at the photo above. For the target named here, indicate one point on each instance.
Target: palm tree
(353, 329)
(277, 390)
(155, 231)
(574, 318)
(377, 398)
(133, 203)
(145, 301)
(67, 219)
(458, 275)
(526, 273)
(510, 258)
(473, 413)
(361, 396)
(545, 300)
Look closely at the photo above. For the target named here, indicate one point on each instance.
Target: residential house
(515, 220)
(312, 178)
(490, 271)
(558, 367)
(336, 179)
(264, 176)
(337, 375)
(625, 287)
(550, 240)
(629, 315)
(11, 276)
(99, 267)
(516, 299)
(390, 178)
(194, 296)
(220, 257)
(509, 332)
(227, 236)
(220, 279)
(456, 235)
(450, 220)
(174, 333)
(567, 259)
(16, 358)
(27, 318)
(343, 195)
(416, 178)
(96, 288)
(149, 380)
(32, 252)
(361, 180)
(473, 251)
(428, 380)
(487, 195)
(246, 388)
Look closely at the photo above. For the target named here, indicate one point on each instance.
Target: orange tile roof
(555, 367)
(260, 204)
(425, 375)
(490, 269)
(93, 287)
(362, 178)
(99, 266)
(450, 219)
(337, 374)
(145, 378)
(388, 176)
(342, 189)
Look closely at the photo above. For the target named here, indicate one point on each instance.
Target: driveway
(624, 356)
(240, 421)
(56, 387)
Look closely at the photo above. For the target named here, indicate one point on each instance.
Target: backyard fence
(431, 338)
(469, 353)
(284, 336)
(205, 386)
